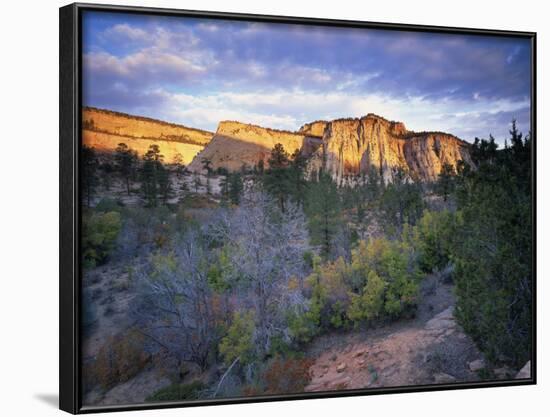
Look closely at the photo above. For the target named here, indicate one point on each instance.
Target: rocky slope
(104, 130)
(238, 144)
(343, 147)
(432, 348)
(438, 352)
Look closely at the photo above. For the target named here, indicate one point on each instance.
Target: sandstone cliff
(343, 147)
(316, 128)
(353, 146)
(238, 144)
(104, 130)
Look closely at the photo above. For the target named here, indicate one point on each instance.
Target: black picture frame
(70, 93)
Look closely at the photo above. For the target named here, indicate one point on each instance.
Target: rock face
(476, 365)
(316, 128)
(354, 146)
(343, 147)
(238, 144)
(103, 130)
(443, 378)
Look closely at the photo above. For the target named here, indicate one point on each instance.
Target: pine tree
(277, 178)
(90, 178)
(165, 186)
(235, 188)
(207, 165)
(107, 171)
(400, 203)
(493, 252)
(323, 207)
(516, 138)
(374, 185)
(297, 178)
(445, 183)
(178, 164)
(151, 174)
(126, 162)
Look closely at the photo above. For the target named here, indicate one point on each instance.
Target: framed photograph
(258, 208)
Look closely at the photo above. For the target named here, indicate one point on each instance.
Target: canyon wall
(343, 147)
(353, 146)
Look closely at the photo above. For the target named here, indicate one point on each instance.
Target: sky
(197, 72)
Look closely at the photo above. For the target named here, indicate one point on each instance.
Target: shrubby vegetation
(282, 376)
(120, 359)
(434, 238)
(380, 283)
(99, 234)
(278, 258)
(178, 392)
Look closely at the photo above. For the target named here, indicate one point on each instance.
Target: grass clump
(177, 392)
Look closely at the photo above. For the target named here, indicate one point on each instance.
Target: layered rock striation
(103, 130)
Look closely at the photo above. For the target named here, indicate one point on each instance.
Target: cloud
(511, 57)
(404, 62)
(198, 71)
(125, 31)
(142, 69)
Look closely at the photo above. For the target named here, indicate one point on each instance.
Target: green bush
(177, 392)
(99, 233)
(304, 326)
(370, 304)
(219, 270)
(380, 282)
(238, 342)
(328, 299)
(388, 277)
(433, 237)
